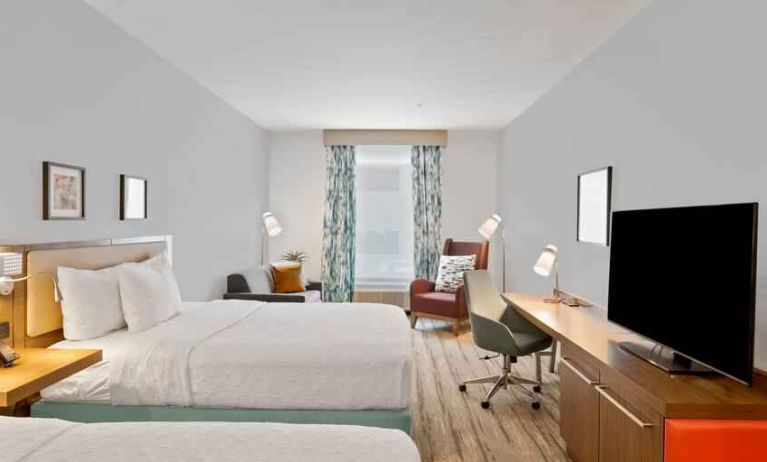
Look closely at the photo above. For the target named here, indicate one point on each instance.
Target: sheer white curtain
(384, 257)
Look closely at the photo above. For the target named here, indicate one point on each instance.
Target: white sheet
(52, 440)
(254, 355)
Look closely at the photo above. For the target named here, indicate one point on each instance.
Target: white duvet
(51, 440)
(261, 355)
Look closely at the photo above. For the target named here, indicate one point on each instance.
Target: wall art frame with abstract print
(63, 192)
(133, 197)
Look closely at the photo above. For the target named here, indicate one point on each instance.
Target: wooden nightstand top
(38, 368)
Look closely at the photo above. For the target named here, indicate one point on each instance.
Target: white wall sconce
(10, 266)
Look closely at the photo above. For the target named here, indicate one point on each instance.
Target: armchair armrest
(236, 283)
(420, 286)
(314, 285)
(271, 298)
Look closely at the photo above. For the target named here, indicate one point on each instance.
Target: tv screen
(685, 278)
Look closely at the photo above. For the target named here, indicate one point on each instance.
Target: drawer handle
(566, 362)
(601, 389)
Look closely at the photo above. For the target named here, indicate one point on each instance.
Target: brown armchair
(426, 303)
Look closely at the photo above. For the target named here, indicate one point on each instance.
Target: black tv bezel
(752, 294)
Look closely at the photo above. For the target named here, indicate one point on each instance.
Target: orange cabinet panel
(715, 440)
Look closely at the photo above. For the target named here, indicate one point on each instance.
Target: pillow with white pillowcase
(149, 293)
(90, 303)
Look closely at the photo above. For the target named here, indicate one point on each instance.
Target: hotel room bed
(53, 440)
(248, 361)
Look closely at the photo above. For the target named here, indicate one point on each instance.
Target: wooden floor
(451, 426)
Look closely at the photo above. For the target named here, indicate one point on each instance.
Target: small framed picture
(133, 198)
(594, 204)
(63, 192)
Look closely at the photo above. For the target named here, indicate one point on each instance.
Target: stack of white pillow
(136, 295)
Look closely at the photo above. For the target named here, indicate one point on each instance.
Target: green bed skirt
(104, 412)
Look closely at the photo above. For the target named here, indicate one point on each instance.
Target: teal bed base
(104, 412)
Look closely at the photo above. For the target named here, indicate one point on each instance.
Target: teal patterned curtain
(338, 239)
(427, 208)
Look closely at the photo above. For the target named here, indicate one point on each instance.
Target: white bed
(239, 354)
(51, 440)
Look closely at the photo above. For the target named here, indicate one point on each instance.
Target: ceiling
(416, 64)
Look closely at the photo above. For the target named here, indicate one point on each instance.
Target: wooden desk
(38, 368)
(613, 405)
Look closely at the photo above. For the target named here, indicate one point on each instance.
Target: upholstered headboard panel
(43, 313)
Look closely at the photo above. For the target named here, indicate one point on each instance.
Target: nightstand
(36, 369)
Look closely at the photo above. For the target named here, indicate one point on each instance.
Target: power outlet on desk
(5, 330)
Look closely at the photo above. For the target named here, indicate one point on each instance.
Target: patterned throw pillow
(451, 269)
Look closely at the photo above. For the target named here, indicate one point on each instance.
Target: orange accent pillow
(287, 279)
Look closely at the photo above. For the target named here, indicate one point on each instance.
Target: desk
(614, 405)
(38, 368)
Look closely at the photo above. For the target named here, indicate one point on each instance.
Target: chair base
(503, 381)
(414, 315)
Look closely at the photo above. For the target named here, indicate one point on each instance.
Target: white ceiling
(444, 64)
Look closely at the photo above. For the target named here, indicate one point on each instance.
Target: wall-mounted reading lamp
(272, 228)
(10, 266)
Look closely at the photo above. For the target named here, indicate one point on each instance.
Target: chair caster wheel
(536, 405)
(485, 404)
(461, 387)
(537, 388)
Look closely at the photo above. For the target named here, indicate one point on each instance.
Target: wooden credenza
(615, 406)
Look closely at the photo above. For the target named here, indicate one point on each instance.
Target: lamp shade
(490, 226)
(546, 261)
(10, 264)
(271, 224)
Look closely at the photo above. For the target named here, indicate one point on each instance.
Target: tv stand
(665, 359)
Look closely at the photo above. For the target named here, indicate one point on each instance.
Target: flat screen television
(685, 278)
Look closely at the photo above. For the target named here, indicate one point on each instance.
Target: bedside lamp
(547, 263)
(272, 228)
(488, 228)
(11, 265)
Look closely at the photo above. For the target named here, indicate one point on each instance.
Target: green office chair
(499, 328)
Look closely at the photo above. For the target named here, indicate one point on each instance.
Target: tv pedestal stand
(665, 359)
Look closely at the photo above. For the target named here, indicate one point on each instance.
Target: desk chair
(497, 327)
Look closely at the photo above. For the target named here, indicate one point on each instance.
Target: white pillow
(149, 293)
(90, 303)
(451, 269)
(259, 280)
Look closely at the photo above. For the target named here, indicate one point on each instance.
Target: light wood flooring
(451, 426)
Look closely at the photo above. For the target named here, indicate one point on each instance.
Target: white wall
(296, 195)
(675, 102)
(297, 181)
(74, 88)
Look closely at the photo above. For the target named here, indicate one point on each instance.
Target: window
(384, 259)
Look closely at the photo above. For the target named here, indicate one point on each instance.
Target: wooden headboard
(37, 318)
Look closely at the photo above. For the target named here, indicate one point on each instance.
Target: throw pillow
(259, 280)
(287, 278)
(288, 263)
(451, 269)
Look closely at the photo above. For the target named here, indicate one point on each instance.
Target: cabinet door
(628, 432)
(578, 412)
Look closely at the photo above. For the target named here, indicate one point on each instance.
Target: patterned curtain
(338, 239)
(427, 207)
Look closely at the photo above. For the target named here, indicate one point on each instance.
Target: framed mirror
(594, 198)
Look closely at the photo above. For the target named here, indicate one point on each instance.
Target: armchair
(426, 303)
